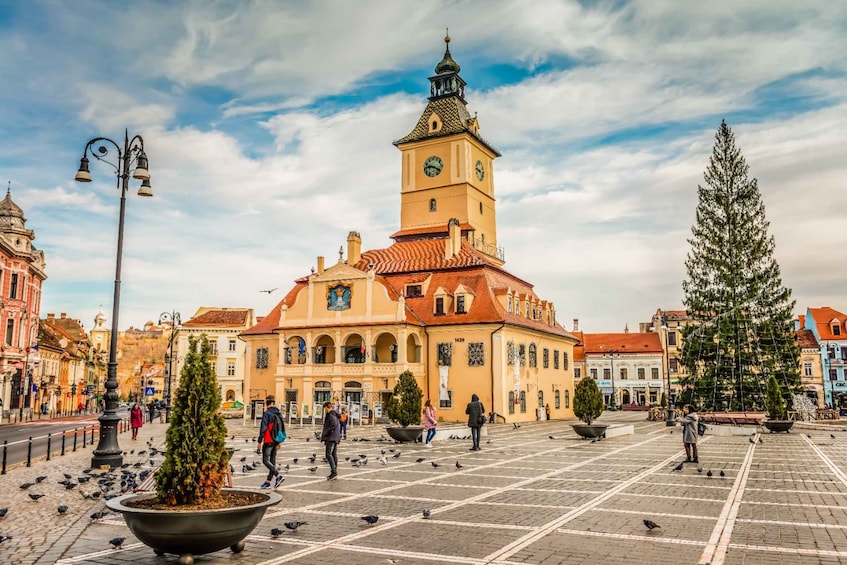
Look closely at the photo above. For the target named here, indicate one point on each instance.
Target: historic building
(437, 302)
(222, 327)
(75, 382)
(22, 272)
(811, 370)
(829, 328)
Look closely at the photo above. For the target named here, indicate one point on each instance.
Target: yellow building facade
(437, 302)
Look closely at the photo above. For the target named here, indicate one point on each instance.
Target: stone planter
(590, 432)
(193, 532)
(776, 426)
(407, 434)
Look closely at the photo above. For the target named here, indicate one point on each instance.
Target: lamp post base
(108, 452)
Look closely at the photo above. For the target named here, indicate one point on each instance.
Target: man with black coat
(331, 436)
(476, 418)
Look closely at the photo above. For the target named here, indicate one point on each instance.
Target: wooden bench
(734, 418)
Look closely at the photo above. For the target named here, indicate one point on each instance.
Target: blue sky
(269, 125)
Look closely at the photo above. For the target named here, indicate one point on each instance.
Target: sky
(268, 128)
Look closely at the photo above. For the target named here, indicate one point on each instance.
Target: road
(16, 436)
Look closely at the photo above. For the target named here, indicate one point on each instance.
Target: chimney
(63, 315)
(320, 264)
(626, 328)
(576, 324)
(51, 316)
(354, 247)
(454, 239)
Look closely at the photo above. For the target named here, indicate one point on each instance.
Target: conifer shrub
(587, 401)
(196, 459)
(774, 402)
(404, 407)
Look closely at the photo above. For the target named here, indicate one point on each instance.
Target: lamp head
(141, 172)
(145, 189)
(83, 175)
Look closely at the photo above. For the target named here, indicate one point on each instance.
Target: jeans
(344, 430)
(430, 433)
(269, 458)
(475, 436)
(332, 456)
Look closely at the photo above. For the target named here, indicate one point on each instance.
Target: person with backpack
(343, 420)
(690, 424)
(271, 434)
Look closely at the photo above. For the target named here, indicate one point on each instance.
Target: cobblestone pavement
(524, 498)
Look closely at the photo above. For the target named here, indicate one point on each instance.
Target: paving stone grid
(524, 498)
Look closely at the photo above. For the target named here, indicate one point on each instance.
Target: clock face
(480, 170)
(432, 166)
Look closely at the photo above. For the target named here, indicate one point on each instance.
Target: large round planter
(776, 426)
(193, 532)
(409, 433)
(590, 432)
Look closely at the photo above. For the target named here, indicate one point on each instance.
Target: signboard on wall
(377, 410)
(149, 391)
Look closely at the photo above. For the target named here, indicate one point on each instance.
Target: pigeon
(426, 512)
(3, 512)
(294, 525)
(98, 516)
(370, 519)
(699, 469)
(313, 469)
(26, 486)
(383, 460)
(550, 437)
(294, 460)
(62, 509)
(276, 532)
(347, 458)
(420, 460)
(83, 479)
(709, 473)
(751, 440)
(396, 455)
(434, 464)
(760, 440)
(35, 497)
(4, 538)
(285, 469)
(458, 465)
(678, 467)
(832, 436)
(651, 525)
(809, 436)
(67, 476)
(117, 543)
(69, 486)
(243, 459)
(722, 474)
(39, 479)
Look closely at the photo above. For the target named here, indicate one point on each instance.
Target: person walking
(430, 422)
(547, 410)
(136, 419)
(270, 419)
(331, 435)
(689, 421)
(343, 419)
(476, 418)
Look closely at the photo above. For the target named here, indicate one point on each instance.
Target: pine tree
(404, 406)
(741, 331)
(196, 458)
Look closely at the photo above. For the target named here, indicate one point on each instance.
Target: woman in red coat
(136, 419)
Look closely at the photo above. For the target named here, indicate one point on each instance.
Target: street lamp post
(108, 452)
(670, 420)
(175, 320)
(613, 404)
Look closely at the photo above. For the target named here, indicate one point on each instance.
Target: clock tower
(447, 168)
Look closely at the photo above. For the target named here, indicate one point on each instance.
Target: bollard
(63, 443)
(75, 439)
(92, 434)
(29, 453)
(5, 447)
(83, 436)
(49, 443)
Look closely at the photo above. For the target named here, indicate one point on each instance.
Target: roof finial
(9, 189)
(447, 37)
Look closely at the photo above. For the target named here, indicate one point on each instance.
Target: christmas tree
(741, 332)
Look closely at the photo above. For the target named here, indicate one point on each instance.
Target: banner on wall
(517, 369)
(443, 371)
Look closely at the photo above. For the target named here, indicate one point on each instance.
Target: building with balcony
(811, 370)
(437, 302)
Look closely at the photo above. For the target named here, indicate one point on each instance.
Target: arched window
(230, 395)
(533, 356)
(557, 399)
(511, 402)
(432, 205)
(541, 399)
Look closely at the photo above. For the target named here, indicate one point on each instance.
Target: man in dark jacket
(267, 444)
(476, 418)
(331, 435)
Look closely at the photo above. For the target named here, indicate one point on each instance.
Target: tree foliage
(196, 458)
(587, 400)
(741, 331)
(775, 402)
(404, 406)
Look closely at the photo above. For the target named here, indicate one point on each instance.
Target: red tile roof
(824, 318)
(219, 317)
(648, 342)
(805, 339)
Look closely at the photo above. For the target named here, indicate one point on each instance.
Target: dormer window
(509, 304)
(460, 304)
(439, 306)
(836, 328)
(413, 291)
